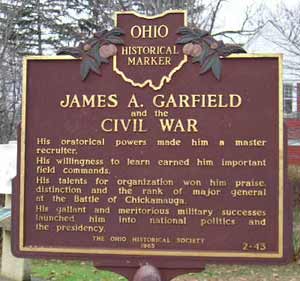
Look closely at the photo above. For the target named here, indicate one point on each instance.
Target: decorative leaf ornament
(205, 50)
(95, 51)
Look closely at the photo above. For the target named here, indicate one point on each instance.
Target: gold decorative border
(281, 156)
(22, 153)
(166, 78)
(217, 254)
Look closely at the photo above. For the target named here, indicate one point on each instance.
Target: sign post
(153, 147)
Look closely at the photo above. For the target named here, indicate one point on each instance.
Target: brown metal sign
(186, 166)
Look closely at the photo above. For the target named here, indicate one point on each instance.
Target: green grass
(296, 218)
(294, 180)
(70, 271)
(84, 271)
(296, 233)
(289, 272)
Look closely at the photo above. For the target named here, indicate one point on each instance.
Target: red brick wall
(293, 129)
(294, 155)
(293, 134)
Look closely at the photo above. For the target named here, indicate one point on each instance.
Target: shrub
(294, 179)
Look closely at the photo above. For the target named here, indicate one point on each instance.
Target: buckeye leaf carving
(206, 66)
(90, 50)
(217, 68)
(114, 40)
(75, 52)
(185, 39)
(84, 69)
(87, 65)
(183, 30)
(210, 51)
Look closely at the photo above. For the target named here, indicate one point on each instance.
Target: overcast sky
(233, 11)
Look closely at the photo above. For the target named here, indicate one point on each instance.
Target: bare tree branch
(287, 23)
(123, 7)
(214, 15)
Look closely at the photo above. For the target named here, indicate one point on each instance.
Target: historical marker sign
(151, 158)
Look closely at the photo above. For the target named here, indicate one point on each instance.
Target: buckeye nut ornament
(108, 50)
